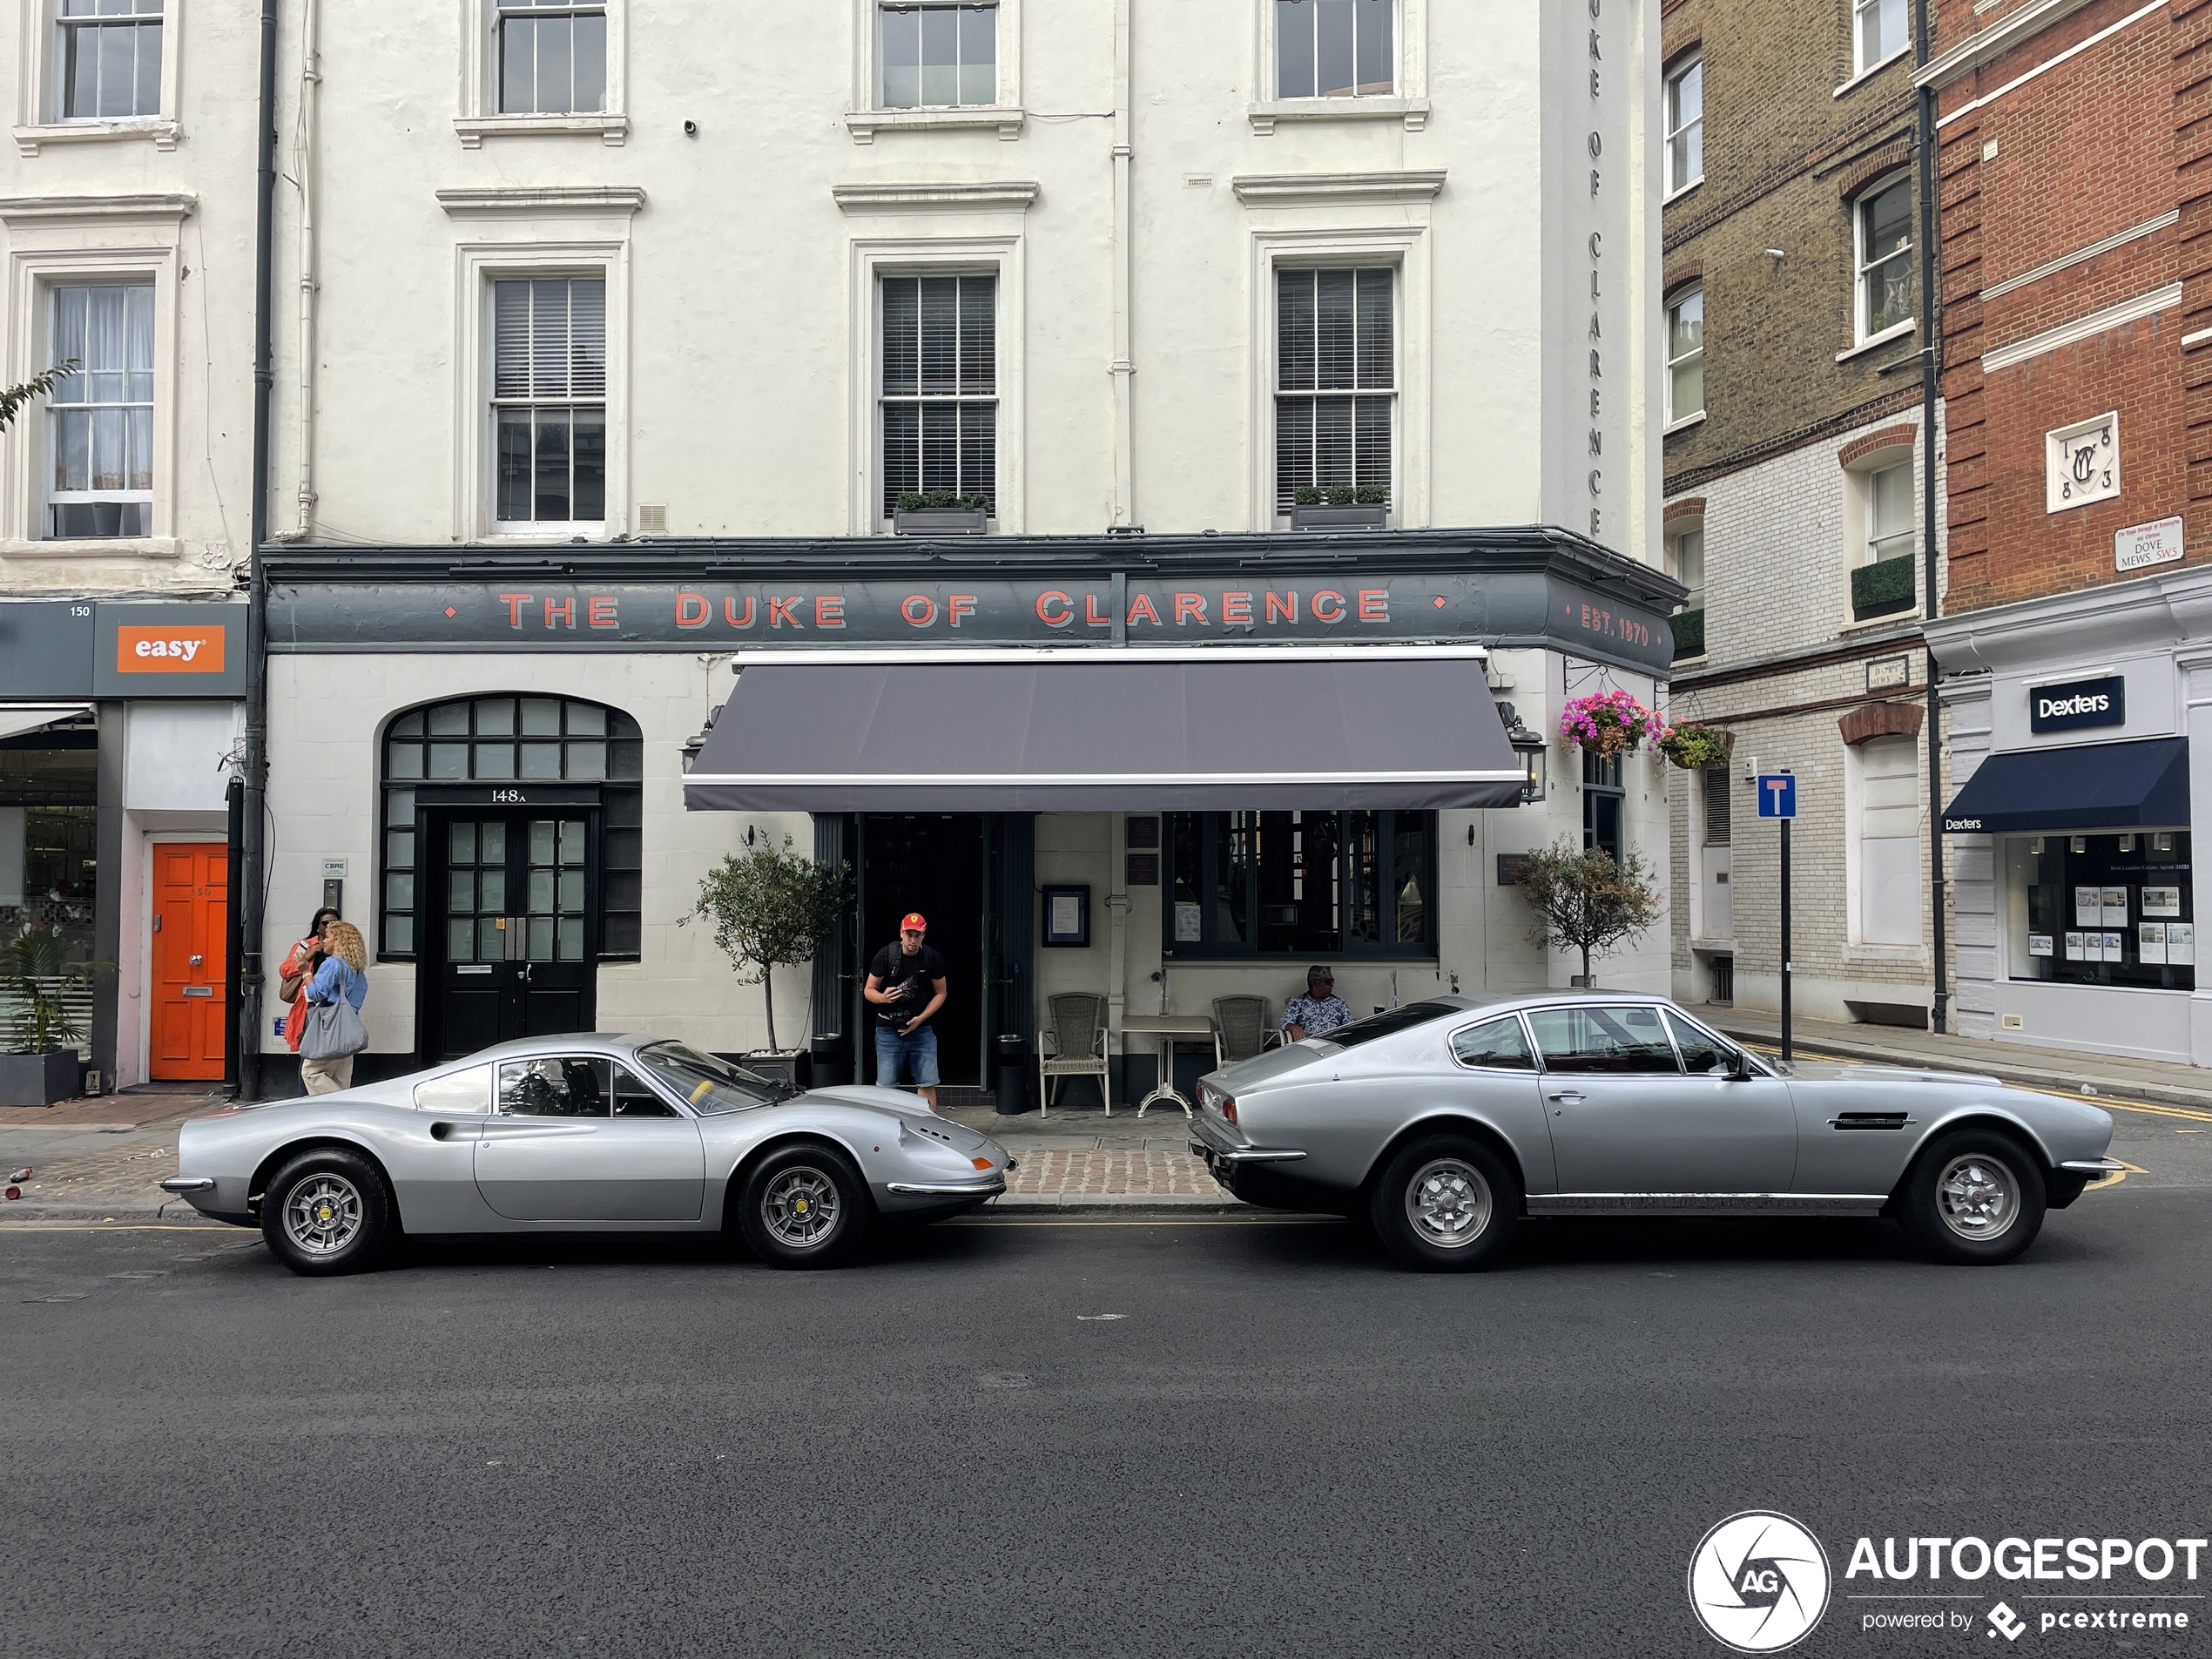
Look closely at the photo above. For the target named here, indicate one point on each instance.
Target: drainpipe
(303, 162)
(252, 861)
(1930, 379)
(1124, 487)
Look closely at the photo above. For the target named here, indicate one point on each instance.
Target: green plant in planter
(33, 965)
(771, 908)
(1339, 495)
(1581, 900)
(918, 501)
(1693, 746)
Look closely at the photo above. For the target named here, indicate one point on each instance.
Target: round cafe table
(1169, 1028)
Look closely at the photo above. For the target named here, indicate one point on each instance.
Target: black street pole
(1785, 941)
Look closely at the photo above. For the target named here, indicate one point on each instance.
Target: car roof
(565, 1042)
(1504, 1001)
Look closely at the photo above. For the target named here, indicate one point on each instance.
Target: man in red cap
(906, 984)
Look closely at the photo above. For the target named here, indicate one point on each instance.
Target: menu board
(2088, 906)
(2162, 901)
(1190, 922)
(2115, 907)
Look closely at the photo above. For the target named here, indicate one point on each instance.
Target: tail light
(1229, 1106)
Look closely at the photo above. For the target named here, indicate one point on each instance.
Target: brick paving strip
(1101, 1173)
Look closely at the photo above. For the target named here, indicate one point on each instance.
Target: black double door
(931, 862)
(512, 941)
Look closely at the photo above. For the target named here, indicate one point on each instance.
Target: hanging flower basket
(1696, 747)
(1609, 722)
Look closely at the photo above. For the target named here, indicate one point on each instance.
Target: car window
(1702, 1053)
(1387, 1024)
(1603, 1039)
(1495, 1045)
(557, 1086)
(636, 1098)
(709, 1084)
(457, 1091)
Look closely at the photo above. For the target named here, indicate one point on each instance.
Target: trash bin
(1012, 1078)
(828, 1054)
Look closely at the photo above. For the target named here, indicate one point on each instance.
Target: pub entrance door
(932, 862)
(510, 947)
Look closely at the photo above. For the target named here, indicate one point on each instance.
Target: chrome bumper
(189, 1183)
(1246, 1154)
(950, 1189)
(2079, 1166)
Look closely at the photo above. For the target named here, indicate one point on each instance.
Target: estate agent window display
(2116, 908)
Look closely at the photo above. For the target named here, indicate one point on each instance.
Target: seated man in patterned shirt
(1319, 1011)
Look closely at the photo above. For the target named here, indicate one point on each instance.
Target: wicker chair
(1241, 1028)
(1072, 1045)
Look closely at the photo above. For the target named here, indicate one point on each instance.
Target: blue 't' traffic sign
(1777, 795)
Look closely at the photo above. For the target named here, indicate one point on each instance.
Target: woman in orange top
(298, 967)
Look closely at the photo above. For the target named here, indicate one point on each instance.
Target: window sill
(864, 124)
(1674, 196)
(1728, 944)
(1901, 956)
(120, 547)
(591, 530)
(1905, 617)
(1412, 111)
(1875, 343)
(1869, 73)
(608, 127)
(1681, 663)
(1682, 425)
(163, 131)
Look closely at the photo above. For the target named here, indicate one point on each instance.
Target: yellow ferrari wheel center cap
(799, 1205)
(323, 1212)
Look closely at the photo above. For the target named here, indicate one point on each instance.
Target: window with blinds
(1336, 368)
(549, 399)
(100, 420)
(939, 399)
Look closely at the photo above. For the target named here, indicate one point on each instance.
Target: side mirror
(1739, 1068)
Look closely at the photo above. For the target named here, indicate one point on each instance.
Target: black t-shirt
(913, 977)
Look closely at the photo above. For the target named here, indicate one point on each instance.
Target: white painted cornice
(1309, 189)
(2140, 613)
(2000, 37)
(41, 210)
(543, 200)
(997, 195)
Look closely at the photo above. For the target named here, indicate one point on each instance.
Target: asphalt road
(1280, 1444)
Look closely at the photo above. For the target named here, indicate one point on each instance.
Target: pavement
(96, 1159)
(1078, 1436)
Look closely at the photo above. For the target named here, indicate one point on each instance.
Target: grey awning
(1139, 730)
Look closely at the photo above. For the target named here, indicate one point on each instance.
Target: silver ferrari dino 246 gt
(582, 1134)
(1445, 1121)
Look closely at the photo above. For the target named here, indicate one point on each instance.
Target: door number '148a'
(510, 797)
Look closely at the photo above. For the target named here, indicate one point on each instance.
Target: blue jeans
(916, 1054)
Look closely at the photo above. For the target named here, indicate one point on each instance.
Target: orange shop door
(190, 900)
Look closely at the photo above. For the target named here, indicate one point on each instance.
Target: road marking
(1194, 1221)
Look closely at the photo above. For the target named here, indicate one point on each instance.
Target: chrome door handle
(197, 961)
(526, 973)
(1570, 1097)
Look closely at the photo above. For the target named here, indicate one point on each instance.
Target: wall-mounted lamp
(692, 745)
(1530, 748)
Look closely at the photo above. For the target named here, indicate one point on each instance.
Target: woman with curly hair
(344, 973)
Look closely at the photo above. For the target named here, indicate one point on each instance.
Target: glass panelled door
(516, 935)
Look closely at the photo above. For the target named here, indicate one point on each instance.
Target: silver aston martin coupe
(1445, 1121)
(582, 1134)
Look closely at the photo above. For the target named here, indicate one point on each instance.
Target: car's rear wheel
(1974, 1198)
(803, 1206)
(327, 1211)
(1445, 1204)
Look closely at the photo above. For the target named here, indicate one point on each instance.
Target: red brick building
(2074, 146)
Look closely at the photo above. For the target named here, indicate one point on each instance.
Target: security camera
(691, 128)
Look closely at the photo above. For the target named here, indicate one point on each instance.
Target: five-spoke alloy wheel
(802, 1206)
(1444, 1203)
(327, 1211)
(1974, 1197)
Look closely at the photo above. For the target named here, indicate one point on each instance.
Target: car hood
(1806, 1071)
(884, 1100)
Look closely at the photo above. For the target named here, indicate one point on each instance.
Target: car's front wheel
(1445, 1204)
(327, 1211)
(803, 1206)
(1974, 1198)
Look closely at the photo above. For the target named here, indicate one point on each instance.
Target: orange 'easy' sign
(169, 651)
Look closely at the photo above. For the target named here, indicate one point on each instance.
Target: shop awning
(16, 719)
(1141, 729)
(2093, 785)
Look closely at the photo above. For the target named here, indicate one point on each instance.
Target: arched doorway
(512, 859)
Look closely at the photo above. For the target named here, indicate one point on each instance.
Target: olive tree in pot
(1581, 900)
(770, 908)
(40, 1066)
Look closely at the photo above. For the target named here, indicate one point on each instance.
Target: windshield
(709, 1085)
(1388, 1024)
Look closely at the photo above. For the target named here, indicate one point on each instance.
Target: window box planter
(1882, 589)
(1689, 633)
(1373, 517)
(40, 1079)
(941, 521)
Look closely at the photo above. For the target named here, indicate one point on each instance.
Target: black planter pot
(1374, 518)
(40, 1079)
(941, 521)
